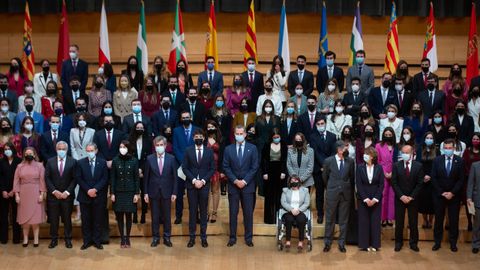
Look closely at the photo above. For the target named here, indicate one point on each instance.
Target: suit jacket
(447, 183)
(256, 87)
(158, 185)
(39, 83)
(322, 78)
(365, 189)
(288, 136)
(179, 100)
(407, 185)
(159, 121)
(466, 129)
(37, 119)
(146, 150)
(438, 102)
(12, 97)
(199, 114)
(194, 170)
(418, 83)
(245, 169)
(66, 124)
(367, 78)
(375, 101)
(77, 146)
(304, 199)
(322, 148)
(86, 181)
(180, 142)
(304, 124)
(100, 139)
(332, 177)
(307, 82)
(404, 108)
(305, 170)
(47, 148)
(68, 71)
(354, 111)
(216, 85)
(473, 186)
(129, 123)
(69, 103)
(66, 182)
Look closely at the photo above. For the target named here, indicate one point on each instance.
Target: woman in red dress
(214, 142)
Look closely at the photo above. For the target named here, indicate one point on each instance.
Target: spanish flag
(27, 55)
(392, 55)
(211, 46)
(251, 36)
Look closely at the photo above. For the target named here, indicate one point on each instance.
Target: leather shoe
(436, 247)
(85, 246)
(249, 243)
(231, 243)
(178, 221)
(327, 248)
(454, 248)
(204, 243)
(342, 249)
(167, 242)
(53, 244)
(68, 244)
(398, 248)
(415, 248)
(319, 220)
(99, 246)
(154, 243)
(191, 243)
(474, 250)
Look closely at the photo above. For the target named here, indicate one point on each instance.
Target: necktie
(431, 97)
(300, 76)
(109, 139)
(400, 99)
(251, 78)
(174, 96)
(166, 115)
(160, 165)
(425, 79)
(136, 118)
(322, 136)
(209, 76)
(54, 138)
(330, 73)
(359, 71)
(342, 166)
(384, 95)
(61, 167)
(354, 98)
(74, 66)
(312, 120)
(407, 169)
(199, 156)
(192, 109)
(92, 167)
(187, 133)
(240, 153)
(449, 166)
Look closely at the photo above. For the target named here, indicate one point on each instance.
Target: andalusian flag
(283, 41)
(430, 46)
(104, 47)
(211, 46)
(251, 37)
(177, 51)
(323, 42)
(142, 52)
(392, 55)
(356, 42)
(27, 55)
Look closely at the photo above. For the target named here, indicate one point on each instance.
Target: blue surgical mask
(359, 60)
(391, 115)
(366, 158)
(219, 103)
(437, 120)
(108, 111)
(329, 62)
(210, 66)
(405, 157)
(321, 129)
(91, 155)
(160, 149)
(251, 67)
(448, 152)
(239, 138)
(136, 109)
(428, 142)
(276, 140)
(54, 126)
(290, 110)
(8, 153)
(62, 154)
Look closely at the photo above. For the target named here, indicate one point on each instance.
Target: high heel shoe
(25, 244)
(35, 245)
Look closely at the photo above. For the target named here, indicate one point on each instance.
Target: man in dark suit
(323, 144)
(328, 72)
(407, 181)
(49, 139)
(71, 97)
(8, 94)
(353, 101)
(165, 116)
(130, 120)
(307, 120)
(92, 177)
(212, 76)
(240, 165)
(66, 123)
(38, 118)
(473, 200)
(81, 108)
(338, 176)
(382, 96)
(197, 110)
(177, 97)
(253, 80)
(182, 138)
(60, 181)
(405, 97)
(74, 66)
(160, 186)
(198, 166)
(300, 76)
(432, 99)
(448, 176)
(419, 81)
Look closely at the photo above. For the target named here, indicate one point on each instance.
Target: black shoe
(85, 246)
(231, 243)
(105, 242)
(364, 249)
(36, 245)
(327, 248)
(127, 242)
(249, 243)
(474, 250)
(25, 245)
(53, 244)
(167, 243)
(469, 227)
(204, 243)
(154, 243)
(397, 248)
(320, 220)
(415, 248)
(142, 219)
(68, 244)
(453, 248)
(342, 249)
(436, 247)
(191, 243)
(178, 221)
(135, 218)
(99, 246)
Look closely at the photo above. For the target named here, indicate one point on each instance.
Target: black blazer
(147, 147)
(69, 104)
(193, 170)
(288, 137)
(418, 83)
(265, 162)
(158, 120)
(12, 97)
(224, 123)
(129, 123)
(307, 82)
(256, 88)
(304, 124)
(179, 100)
(47, 148)
(54, 181)
(105, 152)
(365, 189)
(355, 109)
(466, 129)
(408, 98)
(7, 173)
(322, 148)
(67, 72)
(86, 181)
(375, 101)
(408, 186)
(322, 78)
(199, 114)
(438, 102)
(447, 183)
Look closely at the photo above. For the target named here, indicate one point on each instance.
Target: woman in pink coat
(387, 155)
(30, 190)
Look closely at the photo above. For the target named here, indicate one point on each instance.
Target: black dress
(425, 197)
(263, 133)
(124, 183)
(7, 173)
(274, 163)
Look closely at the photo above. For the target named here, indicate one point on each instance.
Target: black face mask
(173, 87)
(237, 83)
(109, 126)
(244, 108)
(211, 130)
(46, 69)
(81, 109)
(301, 66)
(452, 135)
(132, 66)
(14, 68)
(51, 92)
(75, 87)
(205, 91)
(403, 71)
(475, 93)
(460, 111)
(139, 132)
(268, 89)
(369, 133)
(386, 84)
(149, 88)
(388, 140)
(198, 142)
(98, 85)
(298, 144)
(311, 107)
(456, 72)
(457, 91)
(430, 86)
(166, 105)
(168, 135)
(425, 69)
(29, 157)
(294, 184)
(158, 67)
(416, 113)
(347, 136)
(180, 69)
(186, 122)
(29, 108)
(192, 98)
(364, 115)
(3, 87)
(6, 129)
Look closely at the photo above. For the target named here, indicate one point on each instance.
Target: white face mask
(355, 88)
(391, 115)
(268, 109)
(398, 87)
(82, 123)
(123, 151)
(29, 127)
(366, 158)
(299, 92)
(407, 137)
(331, 87)
(100, 71)
(339, 109)
(73, 55)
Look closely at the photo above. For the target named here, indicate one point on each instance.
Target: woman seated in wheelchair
(295, 201)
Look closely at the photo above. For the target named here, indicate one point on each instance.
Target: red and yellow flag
(27, 55)
(211, 46)
(250, 37)
(392, 55)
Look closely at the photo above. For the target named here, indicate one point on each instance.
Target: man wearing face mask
(353, 100)
(363, 71)
(8, 94)
(432, 99)
(448, 177)
(254, 80)
(49, 139)
(330, 71)
(420, 80)
(404, 97)
(300, 76)
(60, 180)
(177, 98)
(165, 116)
(74, 66)
(81, 107)
(212, 76)
(66, 122)
(382, 96)
(29, 103)
(41, 79)
(306, 121)
(136, 116)
(195, 107)
(71, 96)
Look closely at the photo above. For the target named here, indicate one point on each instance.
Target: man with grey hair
(60, 181)
(339, 179)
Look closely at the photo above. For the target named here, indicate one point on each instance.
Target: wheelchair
(281, 229)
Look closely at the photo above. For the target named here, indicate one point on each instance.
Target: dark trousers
(142, 193)
(60, 209)
(369, 229)
(453, 207)
(198, 200)
(8, 212)
(93, 215)
(336, 201)
(160, 209)
(124, 222)
(319, 193)
(476, 229)
(179, 201)
(412, 212)
(247, 200)
(300, 220)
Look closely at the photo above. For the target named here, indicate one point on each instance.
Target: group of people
(368, 154)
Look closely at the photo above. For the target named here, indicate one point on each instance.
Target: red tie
(61, 167)
(251, 78)
(109, 139)
(425, 79)
(160, 165)
(407, 169)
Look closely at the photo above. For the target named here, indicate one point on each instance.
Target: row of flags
(178, 48)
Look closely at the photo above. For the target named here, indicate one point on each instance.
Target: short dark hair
(301, 56)
(328, 53)
(209, 57)
(74, 78)
(449, 141)
(251, 59)
(312, 97)
(386, 73)
(425, 59)
(361, 52)
(74, 45)
(29, 97)
(199, 131)
(3, 76)
(356, 79)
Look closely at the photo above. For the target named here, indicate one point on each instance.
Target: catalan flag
(28, 60)
(430, 46)
(392, 55)
(211, 46)
(250, 37)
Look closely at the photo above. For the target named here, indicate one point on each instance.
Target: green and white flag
(142, 52)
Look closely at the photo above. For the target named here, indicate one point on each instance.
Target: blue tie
(240, 153)
(342, 166)
(92, 167)
(449, 166)
(187, 133)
